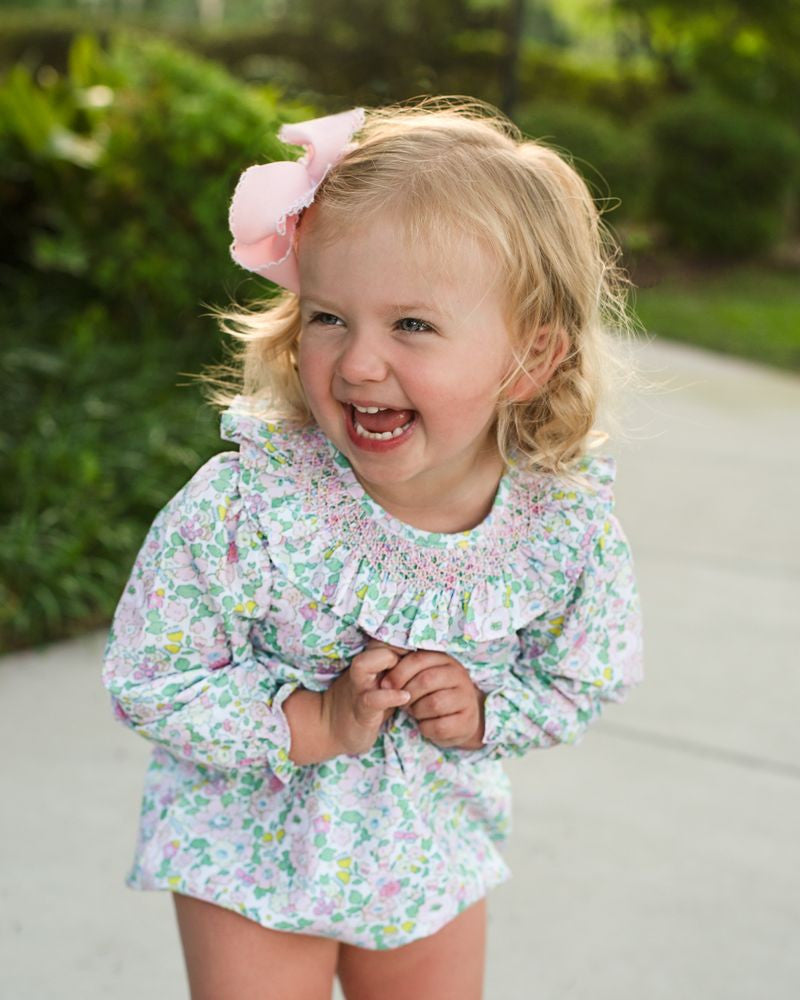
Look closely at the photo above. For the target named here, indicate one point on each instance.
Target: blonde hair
(455, 166)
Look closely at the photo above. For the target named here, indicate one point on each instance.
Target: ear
(549, 350)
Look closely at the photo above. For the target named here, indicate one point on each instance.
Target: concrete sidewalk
(657, 859)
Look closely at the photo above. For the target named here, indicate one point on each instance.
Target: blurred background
(125, 123)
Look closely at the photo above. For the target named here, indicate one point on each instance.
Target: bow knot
(269, 197)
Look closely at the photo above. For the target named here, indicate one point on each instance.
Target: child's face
(383, 327)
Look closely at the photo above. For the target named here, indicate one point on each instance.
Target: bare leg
(229, 957)
(448, 965)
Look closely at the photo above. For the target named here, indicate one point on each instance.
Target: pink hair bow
(269, 197)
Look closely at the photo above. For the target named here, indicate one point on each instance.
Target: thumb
(379, 701)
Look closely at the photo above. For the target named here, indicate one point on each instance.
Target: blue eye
(325, 319)
(410, 325)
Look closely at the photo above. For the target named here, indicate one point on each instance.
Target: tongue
(386, 420)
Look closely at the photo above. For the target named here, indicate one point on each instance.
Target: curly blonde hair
(455, 166)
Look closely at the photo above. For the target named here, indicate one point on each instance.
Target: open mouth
(376, 424)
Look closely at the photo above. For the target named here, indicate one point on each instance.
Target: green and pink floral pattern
(269, 571)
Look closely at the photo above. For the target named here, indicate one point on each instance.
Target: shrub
(42, 37)
(612, 160)
(723, 176)
(119, 175)
(115, 181)
(549, 75)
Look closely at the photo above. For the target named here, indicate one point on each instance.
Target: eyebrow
(399, 307)
(418, 307)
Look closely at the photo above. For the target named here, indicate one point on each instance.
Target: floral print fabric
(269, 571)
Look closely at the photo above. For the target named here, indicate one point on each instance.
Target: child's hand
(355, 706)
(445, 702)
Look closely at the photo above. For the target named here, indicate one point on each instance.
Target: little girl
(408, 571)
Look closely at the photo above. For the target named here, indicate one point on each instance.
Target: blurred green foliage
(116, 175)
(114, 182)
(370, 53)
(613, 159)
(743, 49)
(722, 176)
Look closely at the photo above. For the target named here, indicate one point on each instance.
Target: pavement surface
(656, 859)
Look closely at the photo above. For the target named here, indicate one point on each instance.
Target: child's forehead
(428, 254)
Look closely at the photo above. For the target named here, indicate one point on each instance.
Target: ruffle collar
(403, 585)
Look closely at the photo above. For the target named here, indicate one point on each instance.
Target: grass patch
(749, 311)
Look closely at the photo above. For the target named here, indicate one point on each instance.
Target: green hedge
(724, 176)
(613, 159)
(115, 179)
(553, 76)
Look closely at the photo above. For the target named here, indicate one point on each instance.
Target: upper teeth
(370, 409)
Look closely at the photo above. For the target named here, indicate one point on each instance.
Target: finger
(448, 701)
(366, 666)
(446, 730)
(380, 701)
(412, 664)
(375, 643)
(432, 679)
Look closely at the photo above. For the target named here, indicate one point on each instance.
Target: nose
(361, 358)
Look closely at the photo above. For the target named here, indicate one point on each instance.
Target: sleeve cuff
(277, 736)
(492, 729)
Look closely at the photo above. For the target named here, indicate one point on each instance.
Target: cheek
(305, 352)
(484, 366)
(475, 384)
(462, 406)
(312, 365)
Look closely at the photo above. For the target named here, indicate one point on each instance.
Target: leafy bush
(612, 160)
(42, 37)
(549, 75)
(119, 175)
(115, 181)
(723, 176)
(447, 47)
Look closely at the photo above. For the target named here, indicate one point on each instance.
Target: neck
(451, 504)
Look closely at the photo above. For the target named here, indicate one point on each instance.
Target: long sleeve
(570, 662)
(179, 663)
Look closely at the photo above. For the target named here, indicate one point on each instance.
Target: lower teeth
(382, 435)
